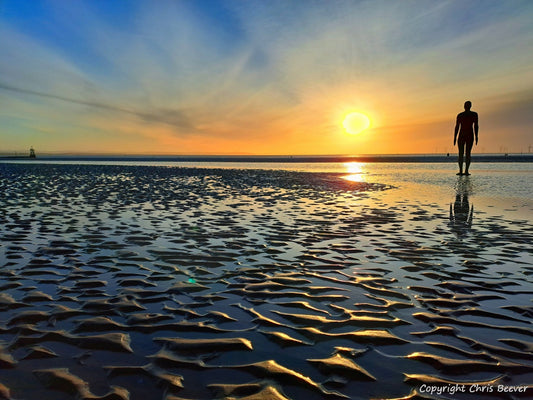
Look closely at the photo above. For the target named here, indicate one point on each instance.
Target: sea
(503, 180)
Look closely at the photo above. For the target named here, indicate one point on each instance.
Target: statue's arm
(476, 126)
(456, 130)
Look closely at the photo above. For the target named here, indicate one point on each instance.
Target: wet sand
(123, 282)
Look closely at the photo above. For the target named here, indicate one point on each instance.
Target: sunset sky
(263, 77)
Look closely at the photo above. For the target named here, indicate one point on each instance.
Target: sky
(272, 77)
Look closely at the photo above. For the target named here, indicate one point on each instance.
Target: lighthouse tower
(32, 153)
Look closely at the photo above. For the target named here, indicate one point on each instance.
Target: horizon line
(243, 155)
(429, 158)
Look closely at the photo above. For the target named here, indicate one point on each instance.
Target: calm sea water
(500, 180)
(502, 188)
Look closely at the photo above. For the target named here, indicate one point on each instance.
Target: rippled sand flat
(122, 282)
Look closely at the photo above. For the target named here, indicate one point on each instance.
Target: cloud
(510, 110)
(175, 118)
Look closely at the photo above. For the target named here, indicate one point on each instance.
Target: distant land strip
(283, 159)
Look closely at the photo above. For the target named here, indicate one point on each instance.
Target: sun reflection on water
(356, 171)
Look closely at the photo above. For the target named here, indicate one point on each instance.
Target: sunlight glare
(355, 122)
(355, 171)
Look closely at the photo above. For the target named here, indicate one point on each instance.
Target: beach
(167, 282)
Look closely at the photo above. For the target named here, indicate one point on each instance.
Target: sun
(355, 122)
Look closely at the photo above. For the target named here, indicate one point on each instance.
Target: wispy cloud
(175, 118)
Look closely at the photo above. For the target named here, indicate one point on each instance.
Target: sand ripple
(165, 283)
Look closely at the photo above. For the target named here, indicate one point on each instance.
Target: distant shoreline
(282, 159)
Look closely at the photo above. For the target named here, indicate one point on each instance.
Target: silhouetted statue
(467, 126)
(32, 153)
(461, 214)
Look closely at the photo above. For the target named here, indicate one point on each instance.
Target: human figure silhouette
(466, 126)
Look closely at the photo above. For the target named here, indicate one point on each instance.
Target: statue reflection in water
(461, 211)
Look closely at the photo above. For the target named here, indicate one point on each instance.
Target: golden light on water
(355, 171)
(355, 122)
